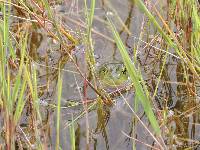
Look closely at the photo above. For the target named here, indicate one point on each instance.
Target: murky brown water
(106, 130)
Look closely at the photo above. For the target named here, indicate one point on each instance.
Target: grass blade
(20, 103)
(72, 134)
(135, 79)
(58, 110)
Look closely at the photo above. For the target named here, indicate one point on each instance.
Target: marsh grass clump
(55, 93)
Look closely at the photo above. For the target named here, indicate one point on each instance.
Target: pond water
(109, 126)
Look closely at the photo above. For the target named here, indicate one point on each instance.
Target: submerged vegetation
(99, 74)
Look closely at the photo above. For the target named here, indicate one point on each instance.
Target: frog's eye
(124, 71)
(103, 70)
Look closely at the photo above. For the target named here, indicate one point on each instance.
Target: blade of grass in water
(4, 34)
(135, 79)
(72, 134)
(89, 57)
(35, 94)
(18, 79)
(8, 97)
(7, 41)
(6, 51)
(20, 103)
(58, 110)
(89, 19)
(16, 95)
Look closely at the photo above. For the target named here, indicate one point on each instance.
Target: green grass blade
(9, 103)
(72, 135)
(20, 103)
(4, 33)
(135, 79)
(35, 94)
(59, 94)
(89, 13)
(7, 41)
(91, 16)
(18, 78)
(27, 75)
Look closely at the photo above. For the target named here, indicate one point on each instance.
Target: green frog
(113, 74)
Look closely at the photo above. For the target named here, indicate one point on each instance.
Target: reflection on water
(175, 92)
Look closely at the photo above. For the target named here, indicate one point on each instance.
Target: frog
(113, 74)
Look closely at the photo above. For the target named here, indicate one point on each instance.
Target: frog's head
(113, 74)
